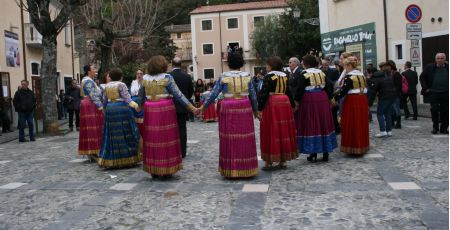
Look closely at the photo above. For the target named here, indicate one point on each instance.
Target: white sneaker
(382, 134)
(389, 134)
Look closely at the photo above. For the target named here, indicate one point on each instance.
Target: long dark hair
(86, 69)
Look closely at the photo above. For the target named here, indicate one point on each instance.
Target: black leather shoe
(312, 157)
(325, 157)
(415, 118)
(32, 139)
(444, 132)
(24, 140)
(435, 131)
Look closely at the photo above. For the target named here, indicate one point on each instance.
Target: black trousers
(181, 120)
(413, 99)
(439, 111)
(77, 118)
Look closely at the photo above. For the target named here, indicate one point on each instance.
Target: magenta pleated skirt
(162, 149)
(91, 126)
(238, 156)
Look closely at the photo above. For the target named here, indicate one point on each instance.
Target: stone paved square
(13, 185)
(64, 191)
(404, 186)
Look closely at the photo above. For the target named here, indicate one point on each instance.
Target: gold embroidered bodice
(236, 84)
(359, 81)
(316, 79)
(281, 84)
(153, 88)
(112, 93)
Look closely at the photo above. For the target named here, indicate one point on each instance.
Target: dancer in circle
(275, 103)
(237, 154)
(120, 133)
(315, 127)
(162, 148)
(354, 110)
(91, 115)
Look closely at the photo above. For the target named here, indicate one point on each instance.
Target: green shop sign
(338, 41)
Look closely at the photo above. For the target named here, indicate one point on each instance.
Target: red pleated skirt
(355, 125)
(161, 141)
(237, 154)
(210, 113)
(278, 134)
(91, 126)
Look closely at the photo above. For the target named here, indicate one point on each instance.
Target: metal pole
(23, 42)
(385, 30)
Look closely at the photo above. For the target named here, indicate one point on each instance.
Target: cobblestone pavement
(401, 184)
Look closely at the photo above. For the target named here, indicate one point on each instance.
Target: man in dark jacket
(332, 76)
(382, 84)
(186, 86)
(72, 103)
(25, 102)
(413, 80)
(434, 81)
(296, 69)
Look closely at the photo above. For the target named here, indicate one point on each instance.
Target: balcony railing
(32, 36)
(245, 54)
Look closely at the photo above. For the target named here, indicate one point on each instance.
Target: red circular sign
(413, 13)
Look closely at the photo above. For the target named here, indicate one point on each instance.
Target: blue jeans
(384, 113)
(26, 117)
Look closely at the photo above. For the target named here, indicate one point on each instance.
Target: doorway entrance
(5, 95)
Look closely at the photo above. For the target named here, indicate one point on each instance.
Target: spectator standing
(396, 113)
(25, 102)
(72, 102)
(382, 84)
(199, 89)
(413, 80)
(184, 83)
(332, 75)
(434, 81)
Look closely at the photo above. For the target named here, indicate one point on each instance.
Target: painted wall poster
(12, 49)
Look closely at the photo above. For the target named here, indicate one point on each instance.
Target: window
(399, 51)
(68, 34)
(35, 69)
(206, 25)
(233, 23)
(208, 73)
(178, 35)
(258, 20)
(208, 49)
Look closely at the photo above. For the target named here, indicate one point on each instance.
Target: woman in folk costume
(237, 154)
(162, 148)
(354, 110)
(210, 113)
(134, 91)
(315, 127)
(91, 115)
(120, 133)
(275, 103)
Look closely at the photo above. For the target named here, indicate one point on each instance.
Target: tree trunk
(48, 84)
(106, 57)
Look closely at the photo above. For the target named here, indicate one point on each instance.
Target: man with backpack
(412, 80)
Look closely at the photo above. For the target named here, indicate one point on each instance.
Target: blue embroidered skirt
(120, 137)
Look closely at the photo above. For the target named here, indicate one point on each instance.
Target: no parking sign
(413, 13)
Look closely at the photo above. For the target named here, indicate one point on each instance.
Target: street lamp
(296, 12)
(311, 21)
